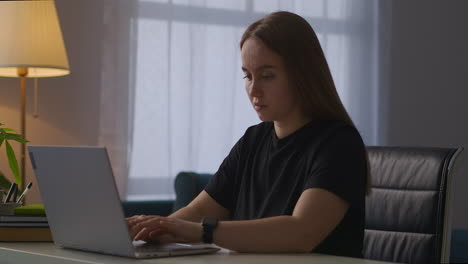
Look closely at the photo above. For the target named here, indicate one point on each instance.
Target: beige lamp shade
(31, 38)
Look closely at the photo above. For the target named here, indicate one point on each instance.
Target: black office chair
(408, 214)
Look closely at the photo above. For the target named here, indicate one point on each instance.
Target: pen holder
(8, 208)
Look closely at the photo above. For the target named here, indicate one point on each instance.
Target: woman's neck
(286, 128)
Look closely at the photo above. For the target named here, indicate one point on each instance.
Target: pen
(24, 192)
(15, 194)
(10, 192)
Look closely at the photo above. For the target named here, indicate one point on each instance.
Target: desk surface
(39, 253)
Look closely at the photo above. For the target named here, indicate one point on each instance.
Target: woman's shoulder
(260, 129)
(255, 134)
(325, 135)
(339, 134)
(337, 128)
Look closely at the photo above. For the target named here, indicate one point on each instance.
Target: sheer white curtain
(115, 126)
(187, 100)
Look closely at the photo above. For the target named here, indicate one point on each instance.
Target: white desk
(38, 253)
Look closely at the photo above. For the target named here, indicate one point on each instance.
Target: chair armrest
(155, 207)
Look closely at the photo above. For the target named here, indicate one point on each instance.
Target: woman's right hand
(164, 229)
(155, 234)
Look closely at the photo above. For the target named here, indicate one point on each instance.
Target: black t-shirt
(264, 176)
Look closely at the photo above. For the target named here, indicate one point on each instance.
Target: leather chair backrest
(405, 210)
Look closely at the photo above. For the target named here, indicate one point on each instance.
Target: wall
(68, 106)
(425, 103)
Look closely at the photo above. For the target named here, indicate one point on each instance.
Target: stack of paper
(24, 228)
(23, 221)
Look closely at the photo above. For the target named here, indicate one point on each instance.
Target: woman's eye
(267, 77)
(246, 77)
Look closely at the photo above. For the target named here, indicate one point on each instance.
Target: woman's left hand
(164, 229)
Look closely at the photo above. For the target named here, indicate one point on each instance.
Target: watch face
(210, 221)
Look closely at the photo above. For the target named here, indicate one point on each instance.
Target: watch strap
(209, 225)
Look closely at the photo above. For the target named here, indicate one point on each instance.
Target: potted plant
(6, 136)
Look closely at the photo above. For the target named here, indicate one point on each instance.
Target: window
(189, 103)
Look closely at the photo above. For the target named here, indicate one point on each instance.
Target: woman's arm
(315, 215)
(202, 205)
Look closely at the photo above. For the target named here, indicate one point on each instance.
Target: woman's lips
(259, 107)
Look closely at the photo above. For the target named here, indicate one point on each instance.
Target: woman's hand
(163, 229)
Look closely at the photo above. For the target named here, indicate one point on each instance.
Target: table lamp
(31, 46)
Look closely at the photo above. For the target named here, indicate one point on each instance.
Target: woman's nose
(255, 89)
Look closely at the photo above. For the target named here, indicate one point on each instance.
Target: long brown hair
(292, 37)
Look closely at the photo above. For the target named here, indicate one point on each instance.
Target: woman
(295, 182)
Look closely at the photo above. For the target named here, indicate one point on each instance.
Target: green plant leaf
(4, 182)
(13, 163)
(2, 135)
(13, 135)
(20, 140)
(16, 137)
(10, 130)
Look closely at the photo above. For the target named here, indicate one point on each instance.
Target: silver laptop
(83, 205)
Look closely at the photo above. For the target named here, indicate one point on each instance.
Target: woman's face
(266, 82)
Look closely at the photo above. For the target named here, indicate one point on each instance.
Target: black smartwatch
(209, 224)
